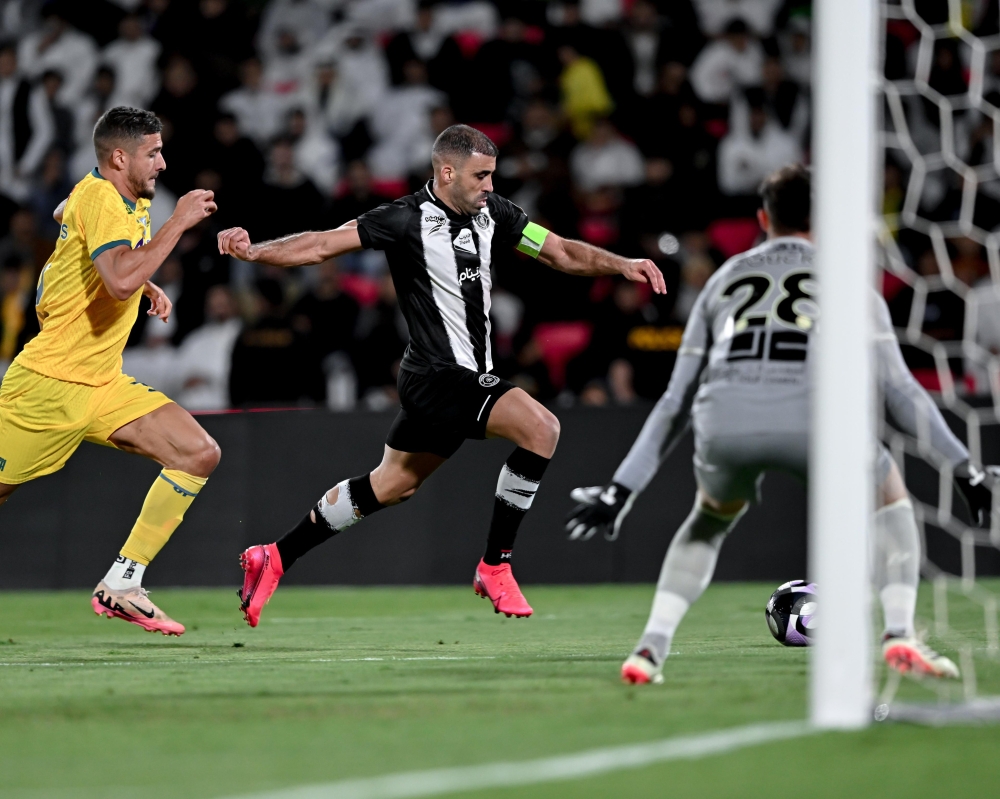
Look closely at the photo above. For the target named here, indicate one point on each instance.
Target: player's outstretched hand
(976, 487)
(235, 241)
(642, 270)
(195, 206)
(599, 509)
(160, 304)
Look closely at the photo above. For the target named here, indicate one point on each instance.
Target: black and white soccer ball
(791, 613)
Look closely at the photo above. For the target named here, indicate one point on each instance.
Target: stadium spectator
(187, 110)
(22, 243)
(754, 147)
(734, 61)
(785, 100)
(57, 45)
(290, 200)
(644, 40)
(50, 189)
(796, 54)
(203, 361)
(15, 292)
(306, 20)
(26, 127)
(270, 364)
(288, 69)
(258, 112)
(435, 47)
(64, 136)
(132, 57)
(585, 96)
(606, 160)
(317, 154)
(717, 15)
(361, 76)
(382, 337)
(89, 108)
(401, 124)
(359, 197)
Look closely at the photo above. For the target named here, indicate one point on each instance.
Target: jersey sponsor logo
(3, 464)
(64, 231)
(465, 243)
(469, 274)
(437, 220)
(488, 381)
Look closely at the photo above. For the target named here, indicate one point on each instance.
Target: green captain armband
(532, 238)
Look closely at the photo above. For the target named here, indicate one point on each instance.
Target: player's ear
(763, 219)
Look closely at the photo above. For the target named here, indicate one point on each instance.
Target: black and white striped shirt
(440, 263)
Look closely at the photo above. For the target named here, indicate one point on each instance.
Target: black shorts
(443, 408)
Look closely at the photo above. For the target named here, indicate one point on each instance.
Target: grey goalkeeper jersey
(743, 365)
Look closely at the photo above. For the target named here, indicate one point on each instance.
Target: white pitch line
(207, 661)
(550, 769)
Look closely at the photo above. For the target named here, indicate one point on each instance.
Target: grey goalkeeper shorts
(730, 468)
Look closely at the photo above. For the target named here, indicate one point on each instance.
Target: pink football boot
(498, 585)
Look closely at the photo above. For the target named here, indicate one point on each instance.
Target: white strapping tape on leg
(515, 490)
(340, 515)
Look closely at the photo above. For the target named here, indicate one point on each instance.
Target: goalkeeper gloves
(975, 486)
(599, 508)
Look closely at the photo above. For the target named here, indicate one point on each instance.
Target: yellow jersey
(84, 328)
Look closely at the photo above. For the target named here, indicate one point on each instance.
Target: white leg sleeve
(687, 571)
(896, 564)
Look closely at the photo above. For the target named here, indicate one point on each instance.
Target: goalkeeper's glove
(599, 508)
(975, 486)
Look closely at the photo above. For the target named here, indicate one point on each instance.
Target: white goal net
(939, 259)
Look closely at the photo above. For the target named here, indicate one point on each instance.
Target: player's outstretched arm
(311, 247)
(579, 258)
(125, 271)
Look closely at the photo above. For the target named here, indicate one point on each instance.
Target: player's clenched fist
(235, 242)
(195, 206)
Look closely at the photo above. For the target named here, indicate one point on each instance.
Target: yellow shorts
(44, 420)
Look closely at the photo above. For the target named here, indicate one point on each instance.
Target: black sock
(516, 489)
(308, 533)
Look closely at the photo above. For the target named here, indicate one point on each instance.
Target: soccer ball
(791, 613)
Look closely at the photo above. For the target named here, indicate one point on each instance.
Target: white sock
(124, 574)
(668, 611)
(899, 604)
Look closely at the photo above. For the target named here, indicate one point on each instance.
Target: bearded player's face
(144, 166)
(473, 183)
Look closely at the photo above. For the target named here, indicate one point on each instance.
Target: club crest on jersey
(488, 381)
(482, 219)
(465, 243)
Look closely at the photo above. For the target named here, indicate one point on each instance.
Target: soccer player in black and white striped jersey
(441, 243)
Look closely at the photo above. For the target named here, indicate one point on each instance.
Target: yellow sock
(162, 512)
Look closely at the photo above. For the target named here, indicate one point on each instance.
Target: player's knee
(205, 458)
(546, 433)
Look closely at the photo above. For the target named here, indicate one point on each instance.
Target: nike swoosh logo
(147, 614)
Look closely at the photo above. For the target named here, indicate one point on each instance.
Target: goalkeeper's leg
(687, 571)
(896, 567)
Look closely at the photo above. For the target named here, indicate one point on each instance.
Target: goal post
(843, 440)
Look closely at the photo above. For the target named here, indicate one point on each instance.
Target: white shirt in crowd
(137, 80)
(615, 162)
(401, 127)
(720, 69)
(73, 55)
(306, 19)
(202, 365)
(715, 15)
(745, 158)
(259, 113)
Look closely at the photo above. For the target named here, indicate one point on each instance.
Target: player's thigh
(400, 473)
(42, 422)
(170, 436)
(525, 421)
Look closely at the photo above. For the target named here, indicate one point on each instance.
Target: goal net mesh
(939, 261)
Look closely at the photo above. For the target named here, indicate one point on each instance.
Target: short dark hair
(461, 141)
(787, 196)
(125, 127)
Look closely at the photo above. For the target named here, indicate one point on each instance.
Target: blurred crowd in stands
(642, 126)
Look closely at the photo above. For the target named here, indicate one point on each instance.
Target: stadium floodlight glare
(841, 467)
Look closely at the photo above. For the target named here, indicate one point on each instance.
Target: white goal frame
(843, 435)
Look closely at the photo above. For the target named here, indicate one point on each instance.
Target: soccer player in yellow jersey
(67, 385)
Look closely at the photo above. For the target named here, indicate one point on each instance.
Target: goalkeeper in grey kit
(742, 381)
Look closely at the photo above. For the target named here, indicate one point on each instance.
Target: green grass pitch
(340, 683)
